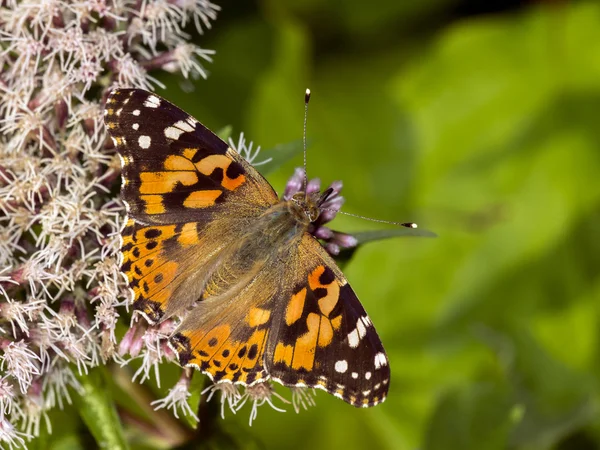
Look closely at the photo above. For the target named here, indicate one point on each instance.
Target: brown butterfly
(208, 239)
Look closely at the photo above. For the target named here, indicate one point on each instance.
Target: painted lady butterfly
(207, 239)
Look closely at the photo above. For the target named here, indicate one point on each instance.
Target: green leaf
(97, 409)
(198, 384)
(378, 235)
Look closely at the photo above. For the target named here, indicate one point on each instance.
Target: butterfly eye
(299, 197)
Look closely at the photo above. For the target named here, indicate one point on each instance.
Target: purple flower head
(333, 241)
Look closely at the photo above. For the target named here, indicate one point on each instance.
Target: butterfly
(208, 240)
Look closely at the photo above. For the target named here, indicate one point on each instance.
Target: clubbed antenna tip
(306, 100)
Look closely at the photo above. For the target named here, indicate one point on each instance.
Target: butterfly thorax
(272, 237)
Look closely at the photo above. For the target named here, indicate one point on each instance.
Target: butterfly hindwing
(225, 336)
(164, 264)
(325, 338)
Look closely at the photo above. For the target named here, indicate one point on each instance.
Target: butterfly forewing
(175, 170)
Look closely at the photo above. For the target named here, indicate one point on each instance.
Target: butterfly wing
(226, 336)
(325, 338)
(293, 317)
(298, 323)
(177, 178)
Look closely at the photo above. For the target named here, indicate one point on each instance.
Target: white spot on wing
(354, 375)
(152, 102)
(192, 122)
(380, 360)
(341, 366)
(173, 133)
(353, 339)
(136, 112)
(361, 328)
(368, 375)
(178, 129)
(135, 126)
(144, 141)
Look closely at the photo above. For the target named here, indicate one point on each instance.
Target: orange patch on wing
(257, 338)
(257, 316)
(325, 333)
(176, 162)
(207, 165)
(165, 232)
(232, 183)
(232, 363)
(209, 342)
(327, 303)
(161, 277)
(221, 360)
(295, 307)
(189, 153)
(313, 278)
(154, 204)
(304, 352)
(201, 199)
(283, 353)
(161, 297)
(189, 235)
(164, 182)
(336, 322)
(140, 252)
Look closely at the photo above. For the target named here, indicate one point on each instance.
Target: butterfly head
(307, 207)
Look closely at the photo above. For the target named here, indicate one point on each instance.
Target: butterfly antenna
(306, 100)
(402, 224)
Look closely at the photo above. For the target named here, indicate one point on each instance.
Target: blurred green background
(480, 121)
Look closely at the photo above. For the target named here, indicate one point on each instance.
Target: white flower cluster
(60, 287)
